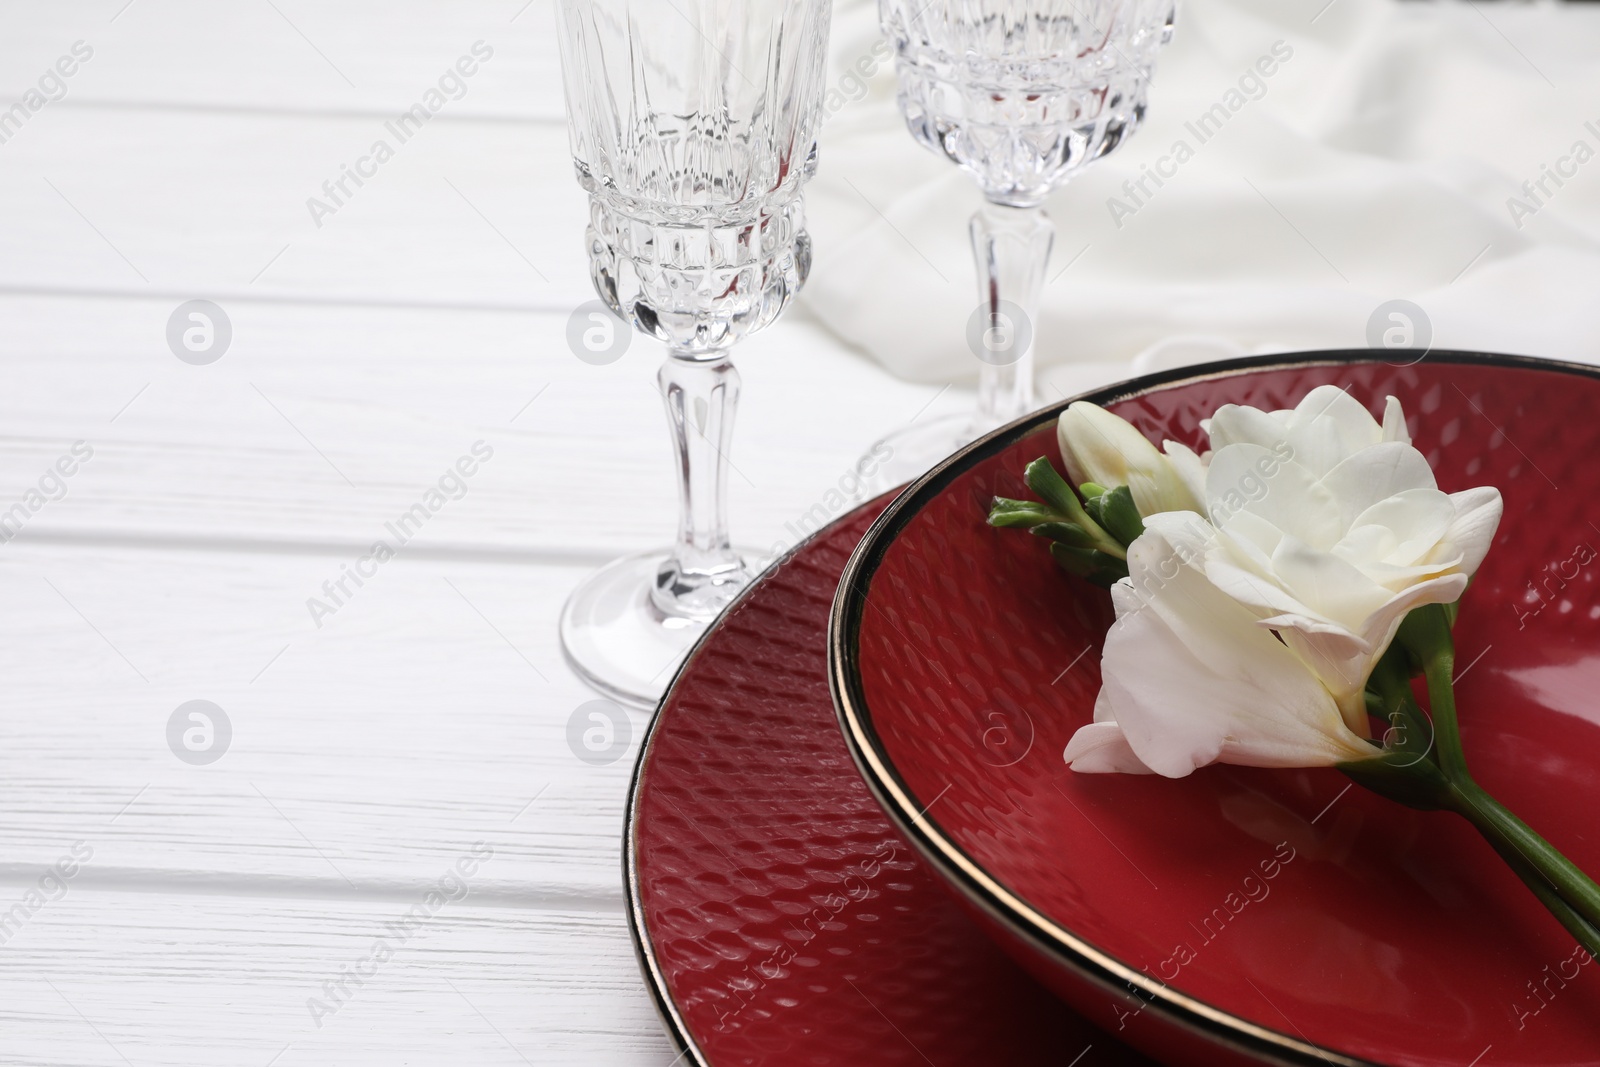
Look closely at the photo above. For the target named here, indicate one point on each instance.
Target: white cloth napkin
(1385, 159)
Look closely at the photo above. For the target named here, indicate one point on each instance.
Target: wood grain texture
(369, 353)
(258, 446)
(430, 711)
(289, 57)
(108, 979)
(186, 203)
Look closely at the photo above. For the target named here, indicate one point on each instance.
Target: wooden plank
(428, 710)
(179, 565)
(360, 56)
(188, 204)
(105, 979)
(109, 195)
(257, 446)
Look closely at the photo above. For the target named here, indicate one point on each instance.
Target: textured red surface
(1391, 935)
(792, 926)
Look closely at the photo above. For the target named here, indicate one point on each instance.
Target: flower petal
(1100, 447)
(1400, 529)
(1251, 478)
(1106, 449)
(1254, 539)
(1236, 424)
(1161, 489)
(1375, 474)
(1337, 588)
(1101, 748)
(1191, 679)
(1316, 447)
(1394, 422)
(1348, 417)
(1342, 659)
(1245, 573)
(1478, 514)
(1187, 538)
(1191, 470)
(1328, 426)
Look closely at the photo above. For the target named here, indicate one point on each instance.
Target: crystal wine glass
(694, 127)
(1023, 94)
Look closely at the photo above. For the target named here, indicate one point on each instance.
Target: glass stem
(701, 392)
(1012, 247)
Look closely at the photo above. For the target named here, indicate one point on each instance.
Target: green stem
(1432, 639)
(1507, 832)
(1392, 683)
(1042, 478)
(1587, 933)
(1570, 894)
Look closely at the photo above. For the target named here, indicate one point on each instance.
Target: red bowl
(1242, 915)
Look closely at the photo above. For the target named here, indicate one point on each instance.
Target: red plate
(780, 919)
(1243, 915)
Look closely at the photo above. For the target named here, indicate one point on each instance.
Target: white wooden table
(424, 718)
(215, 914)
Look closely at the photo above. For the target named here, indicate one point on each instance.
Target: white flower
(1328, 420)
(1100, 447)
(1192, 678)
(1329, 528)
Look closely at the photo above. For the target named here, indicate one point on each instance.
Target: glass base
(617, 640)
(914, 450)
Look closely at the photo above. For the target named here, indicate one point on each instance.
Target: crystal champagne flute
(1023, 94)
(693, 128)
